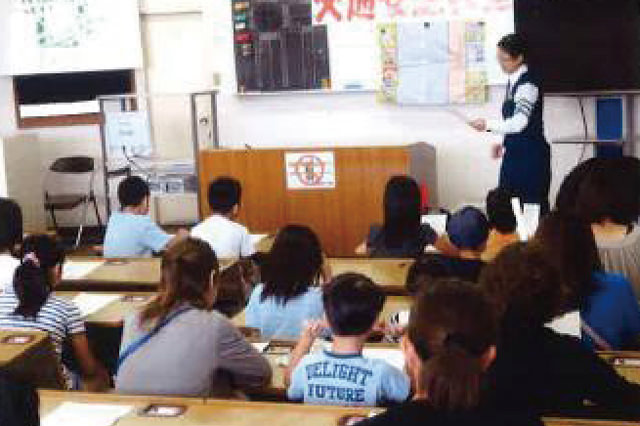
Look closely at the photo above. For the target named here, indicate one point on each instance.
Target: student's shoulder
(61, 303)
(613, 281)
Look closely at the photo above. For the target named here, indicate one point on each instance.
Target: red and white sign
(310, 170)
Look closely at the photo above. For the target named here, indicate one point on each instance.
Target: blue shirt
(133, 235)
(612, 311)
(275, 319)
(327, 378)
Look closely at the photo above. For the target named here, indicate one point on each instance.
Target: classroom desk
(114, 313)
(121, 275)
(388, 273)
(33, 360)
(392, 305)
(210, 412)
(626, 363)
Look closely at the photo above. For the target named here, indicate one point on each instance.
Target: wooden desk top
(121, 275)
(10, 353)
(114, 313)
(210, 412)
(389, 273)
(392, 305)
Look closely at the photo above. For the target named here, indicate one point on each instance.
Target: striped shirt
(59, 318)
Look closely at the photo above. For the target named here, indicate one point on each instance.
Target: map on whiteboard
(57, 36)
(60, 23)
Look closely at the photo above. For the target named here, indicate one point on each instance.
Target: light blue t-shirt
(612, 311)
(327, 378)
(284, 321)
(133, 235)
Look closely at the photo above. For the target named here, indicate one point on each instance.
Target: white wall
(189, 43)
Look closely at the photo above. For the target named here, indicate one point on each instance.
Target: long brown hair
(451, 327)
(189, 269)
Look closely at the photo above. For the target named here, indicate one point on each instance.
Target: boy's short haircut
(468, 228)
(500, 211)
(224, 194)
(132, 191)
(11, 224)
(352, 303)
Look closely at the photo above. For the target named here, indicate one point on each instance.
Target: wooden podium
(341, 216)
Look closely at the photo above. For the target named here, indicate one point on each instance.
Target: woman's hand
(480, 124)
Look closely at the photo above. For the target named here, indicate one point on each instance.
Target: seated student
(537, 368)
(502, 222)
(467, 230)
(177, 344)
(352, 303)
(226, 237)
(609, 311)
(10, 237)
(402, 234)
(18, 403)
(449, 345)
(131, 232)
(609, 200)
(289, 295)
(31, 305)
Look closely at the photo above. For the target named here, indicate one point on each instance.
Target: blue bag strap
(137, 344)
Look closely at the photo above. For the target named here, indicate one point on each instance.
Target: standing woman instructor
(526, 163)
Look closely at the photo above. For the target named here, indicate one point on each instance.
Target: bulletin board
(415, 51)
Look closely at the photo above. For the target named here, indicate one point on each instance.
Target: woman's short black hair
(402, 210)
(293, 264)
(352, 303)
(500, 211)
(132, 191)
(611, 190)
(10, 224)
(515, 45)
(224, 193)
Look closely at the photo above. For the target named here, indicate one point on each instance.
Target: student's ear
(146, 204)
(235, 211)
(57, 274)
(213, 288)
(488, 357)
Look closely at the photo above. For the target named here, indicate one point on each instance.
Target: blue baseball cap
(468, 228)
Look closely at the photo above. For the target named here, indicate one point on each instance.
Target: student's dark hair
(524, 288)
(33, 280)
(293, 264)
(224, 193)
(427, 269)
(570, 247)
(499, 210)
(451, 327)
(352, 303)
(19, 404)
(566, 200)
(515, 45)
(611, 190)
(189, 269)
(402, 210)
(132, 191)
(10, 224)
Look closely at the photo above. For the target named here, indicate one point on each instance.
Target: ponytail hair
(451, 327)
(189, 269)
(34, 278)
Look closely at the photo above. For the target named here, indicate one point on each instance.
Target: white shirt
(525, 98)
(8, 265)
(227, 238)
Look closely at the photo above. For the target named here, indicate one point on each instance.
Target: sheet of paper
(531, 215)
(79, 414)
(567, 324)
(90, 303)
(260, 347)
(256, 238)
(394, 357)
(521, 226)
(77, 269)
(437, 221)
